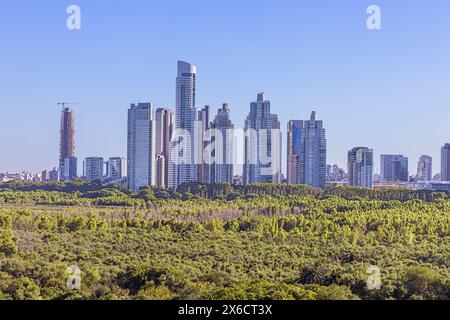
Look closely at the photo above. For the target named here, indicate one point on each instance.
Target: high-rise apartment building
(394, 168)
(425, 169)
(360, 167)
(67, 144)
(183, 162)
(116, 168)
(223, 142)
(141, 167)
(445, 162)
(262, 144)
(70, 169)
(307, 152)
(164, 129)
(204, 170)
(94, 168)
(294, 145)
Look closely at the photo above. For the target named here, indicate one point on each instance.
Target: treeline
(96, 194)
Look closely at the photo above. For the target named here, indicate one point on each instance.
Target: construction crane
(63, 104)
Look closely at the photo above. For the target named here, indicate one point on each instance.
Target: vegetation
(222, 242)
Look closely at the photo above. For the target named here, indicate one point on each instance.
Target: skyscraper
(117, 168)
(445, 162)
(184, 164)
(141, 146)
(307, 152)
(394, 168)
(93, 168)
(164, 131)
(222, 169)
(67, 143)
(294, 145)
(262, 144)
(204, 170)
(425, 169)
(360, 167)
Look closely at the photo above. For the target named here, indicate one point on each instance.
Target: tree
(8, 244)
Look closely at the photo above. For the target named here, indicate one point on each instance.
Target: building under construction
(67, 160)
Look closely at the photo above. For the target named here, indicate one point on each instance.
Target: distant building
(262, 144)
(360, 167)
(164, 129)
(335, 174)
(425, 169)
(394, 168)
(294, 145)
(141, 146)
(204, 170)
(445, 162)
(434, 186)
(70, 169)
(53, 176)
(94, 168)
(183, 167)
(222, 169)
(160, 171)
(307, 150)
(44, 176)
(67, 145)
(116, 168)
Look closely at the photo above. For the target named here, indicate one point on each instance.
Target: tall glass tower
(141, 146)
(184, 166)
(222, 170)
(307, 152)
(262, 144)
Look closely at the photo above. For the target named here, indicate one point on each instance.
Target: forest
(222, 242)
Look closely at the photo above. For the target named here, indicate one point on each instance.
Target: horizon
(307, 59)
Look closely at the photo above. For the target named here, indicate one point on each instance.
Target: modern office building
(116, 168)
(307, 152)
(67, 142)
(223, 128)
(164, 129)
(141, 166)
(445, 163)
(183, 164)
(94, 168)
(262, 144)
(360, 167)
(425, 169)
(394, 168)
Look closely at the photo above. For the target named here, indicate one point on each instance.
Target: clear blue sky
(388, 90)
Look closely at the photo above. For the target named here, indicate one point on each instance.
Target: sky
(386, 89)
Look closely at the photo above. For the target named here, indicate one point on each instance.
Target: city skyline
(360, 87)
